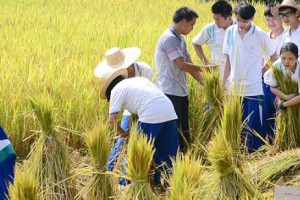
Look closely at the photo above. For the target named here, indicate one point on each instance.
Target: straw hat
(108, 76)
(116, 58)
(285, 3)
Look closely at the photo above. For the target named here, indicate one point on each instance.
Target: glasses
(243, 23)
(287, 15)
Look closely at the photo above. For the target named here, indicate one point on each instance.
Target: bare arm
(197, 76)
(267, 65)
(227, 69)
(112, 120)
(292, 102)
(200, 53)
(187, 66)
(282, 95)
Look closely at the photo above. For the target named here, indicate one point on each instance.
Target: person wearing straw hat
(157, 117)
(116, 58)
(289, 12)
(173, 62)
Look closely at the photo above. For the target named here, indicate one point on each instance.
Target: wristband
(281, 105)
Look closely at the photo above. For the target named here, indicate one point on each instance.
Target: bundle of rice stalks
(288, 121)
(139, 160)
(231, 123)
(269, 169)
(212, 116)
(25, 187)
(185, 181)
(232, 183)
(98, 186)
(49, 160)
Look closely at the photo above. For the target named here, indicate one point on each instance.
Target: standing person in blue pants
(276, 34)
(7, 164)
(244, 47)
(116, 58)
(157, 117)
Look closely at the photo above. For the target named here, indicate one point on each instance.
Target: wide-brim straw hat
(108, 76)
(285, 3)
(116, 58)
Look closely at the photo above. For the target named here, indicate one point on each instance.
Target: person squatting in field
(157, 117)
(288, 64)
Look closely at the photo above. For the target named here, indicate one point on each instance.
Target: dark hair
(294, 10)
(184, 13)
(268, 10)
(112, 85)
(244, 10)
(222, 7)
(289, 47)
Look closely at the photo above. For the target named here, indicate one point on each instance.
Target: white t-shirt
(278, 44)
(246, 57)
(213, 36)
(141, 69)
(295, 37)
(294, 75)
(140, 96)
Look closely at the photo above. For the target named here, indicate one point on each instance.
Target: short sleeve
(172, 48)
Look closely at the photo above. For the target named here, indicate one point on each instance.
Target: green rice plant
(139, 161)
(232, 183)
(98, 186)
(185, 181)
(269, 168)
(288, 120)
(25, 186)
(49, 160)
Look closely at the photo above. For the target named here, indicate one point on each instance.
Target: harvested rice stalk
(269, 169)
(98, 143)
(212, 117)
(49, 160)
(231, 123)
(25, 187)
(232, 182)
(288, 121)
(185, 181)
(139, 160)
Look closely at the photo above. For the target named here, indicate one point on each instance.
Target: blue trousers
(114, 154)
(269, 112)
(166, 143)
(252, 108)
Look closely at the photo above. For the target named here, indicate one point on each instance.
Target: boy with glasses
(289, 12)
(244, 47)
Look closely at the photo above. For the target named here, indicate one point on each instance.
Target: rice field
(49, 50)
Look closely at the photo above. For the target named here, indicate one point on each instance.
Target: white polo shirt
(213, 37)
(294, 37)
(294, 75)
(246, 57)
(140, 96)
